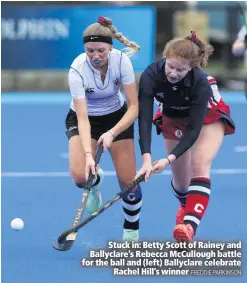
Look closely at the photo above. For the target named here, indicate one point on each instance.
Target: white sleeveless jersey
(102, 97)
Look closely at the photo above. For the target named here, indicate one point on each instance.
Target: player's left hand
(106, 139)
(160, 165)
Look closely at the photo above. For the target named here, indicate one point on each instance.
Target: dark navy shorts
(99, 124)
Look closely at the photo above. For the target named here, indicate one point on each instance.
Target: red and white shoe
(183, 233)
(180, 215)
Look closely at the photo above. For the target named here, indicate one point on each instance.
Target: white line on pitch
(232, 171)
(241, 148)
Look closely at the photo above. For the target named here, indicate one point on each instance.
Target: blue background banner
(50, 37)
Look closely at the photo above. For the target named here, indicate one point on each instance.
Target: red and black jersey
(190, 98)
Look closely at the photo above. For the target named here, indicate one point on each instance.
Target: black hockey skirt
(99, 124)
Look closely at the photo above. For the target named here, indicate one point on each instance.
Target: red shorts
(174, 128)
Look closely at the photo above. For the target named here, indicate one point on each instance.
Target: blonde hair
(107, 29)
(190, 48)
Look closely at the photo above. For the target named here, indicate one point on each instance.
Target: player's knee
(181, 184)
(123, 182)
(200, 167)
(136, 190)
(79, 179)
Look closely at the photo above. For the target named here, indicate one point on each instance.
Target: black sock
(132, 203)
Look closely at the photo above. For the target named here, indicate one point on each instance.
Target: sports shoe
(94, 200)
(130, 235)
(183, 233)
(180, 215)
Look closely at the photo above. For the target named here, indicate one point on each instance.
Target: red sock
(197, 201)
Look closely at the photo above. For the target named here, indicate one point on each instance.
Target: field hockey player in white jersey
(98, 113)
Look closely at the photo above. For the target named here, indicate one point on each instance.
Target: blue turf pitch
(36, 187)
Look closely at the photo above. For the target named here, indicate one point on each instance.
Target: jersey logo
(90, 90)
(178, 133)
(174, 87)
(117, 83)
(199, 208)
(131, 196)
(72, 128)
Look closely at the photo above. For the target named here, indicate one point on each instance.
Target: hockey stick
(66, 242)
(108, 204)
